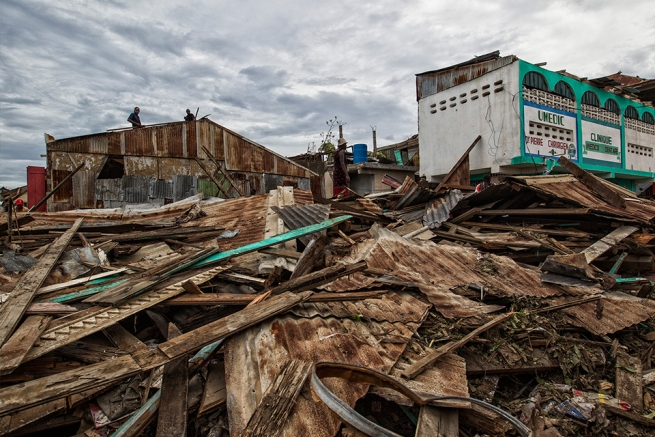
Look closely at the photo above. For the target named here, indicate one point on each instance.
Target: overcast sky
(275, 71)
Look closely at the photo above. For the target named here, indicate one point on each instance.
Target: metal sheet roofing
(253, 358)
(620, 311)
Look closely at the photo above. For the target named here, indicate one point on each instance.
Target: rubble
(525, 309)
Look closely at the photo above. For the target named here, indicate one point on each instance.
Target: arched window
(631, 112)
(647, 117)
(564, 89)
(590, 98)
(612, 106)
(535, 80)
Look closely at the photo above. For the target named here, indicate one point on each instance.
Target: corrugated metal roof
(620, 311)
(573, 191)
(391, 307)
(438, 211)
(437, 269)
(253, 358)
(356, 281)
(432, 82)
(298, 216)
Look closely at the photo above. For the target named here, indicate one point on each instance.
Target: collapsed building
(164, 163)
(525, 309)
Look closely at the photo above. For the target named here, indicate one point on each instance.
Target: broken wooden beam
(278, 401)
(425, 362)
(244, 299)
(172, 418)
(460, 172)
(15, 349)
(21, 296)
(593, 183)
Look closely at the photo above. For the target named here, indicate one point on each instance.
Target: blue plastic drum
(360, 154)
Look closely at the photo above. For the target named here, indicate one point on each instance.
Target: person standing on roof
(189, 116)
(134, 118)
(340, 177)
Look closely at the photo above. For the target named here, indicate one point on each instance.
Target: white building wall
(639, 145)
(446, 134)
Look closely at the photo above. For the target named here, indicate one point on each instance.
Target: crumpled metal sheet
(620, 311)
(437, 269)
(438, 211)
(254, 357)
(298, 216)
(391, 307)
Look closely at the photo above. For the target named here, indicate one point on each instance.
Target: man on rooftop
(134, 118)
(189, 116)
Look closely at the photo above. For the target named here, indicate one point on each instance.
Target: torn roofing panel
(254, 357)
(619, 311)
(571, 190)
(391, 307)
(298, 216)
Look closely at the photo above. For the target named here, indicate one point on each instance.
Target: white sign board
(549, 132)
(601, 142)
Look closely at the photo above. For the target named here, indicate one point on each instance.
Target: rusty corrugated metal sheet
(253, 358)
(430, 267)
(302, 197)
(356, 281)
(217, 144)
(135, 189)
(620, 311)
(573, 191)
(170, 140)
(298, 216)
(391, 307)
(139, 142)
(247, 214)
(436, 81)
(438, 211)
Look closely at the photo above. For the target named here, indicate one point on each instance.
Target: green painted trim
(272, 241)
(517, 160)
(87, 292)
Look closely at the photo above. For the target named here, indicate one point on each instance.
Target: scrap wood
(49, 308)
(629, 380)
(172, 417)
(568, 304)
(213, 179)
(19, 299)
(321, 277)
(591, 182)
(245, 299)
(607, 242)
(79, 281)
(15, 349)
(220, 168)
(459, 174)
(422, 364)
(38, 391)
(278, 401)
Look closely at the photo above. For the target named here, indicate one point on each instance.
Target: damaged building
(529, 116)
(164, 163)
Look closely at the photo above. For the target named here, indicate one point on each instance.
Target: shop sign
(601, 142)
(549, 131)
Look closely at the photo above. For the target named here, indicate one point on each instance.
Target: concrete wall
(640, 157)
(446, 134)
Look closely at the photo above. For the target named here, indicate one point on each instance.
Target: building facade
(160, 164)
(528, 116)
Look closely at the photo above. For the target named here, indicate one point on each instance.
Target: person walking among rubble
(134, 118)
(189, 116)
(340, 177)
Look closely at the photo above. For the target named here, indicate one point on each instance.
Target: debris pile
(525, 308)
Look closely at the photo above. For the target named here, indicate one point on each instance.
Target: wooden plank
(35, 392)
(324, 276)
(102, 317)
(418, 367)
(15, 349)
(15, 421)
(172, 419)
(221, 328)
(282, 252)
(141, 418)
(456, 168)
(592, 182)
(608, 241)
(191, 287)
(123, 339)
(215, 392)
(534, 211)
(42, 390)
(278, 401)
(49, 308)
(312, 256)
(629, 381)
(209, 299)
(21, 296)
(528, 229)
(281, 238)
(78, 281)
(437, 422)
